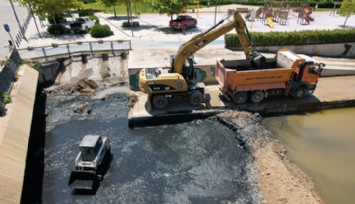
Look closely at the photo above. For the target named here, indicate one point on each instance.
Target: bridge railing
(69, 49)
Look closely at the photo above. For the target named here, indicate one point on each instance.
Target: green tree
(347, 8)
(51, 7)
(109, 3)
(170, 7)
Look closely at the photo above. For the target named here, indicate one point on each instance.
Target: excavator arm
(199, 41)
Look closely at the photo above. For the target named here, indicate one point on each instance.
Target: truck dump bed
(240, 75)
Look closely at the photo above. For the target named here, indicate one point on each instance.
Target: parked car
(183, 21)
(82, 24)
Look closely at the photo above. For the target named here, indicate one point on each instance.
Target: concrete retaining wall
(14, 135)
(328, 50)
(8, 71)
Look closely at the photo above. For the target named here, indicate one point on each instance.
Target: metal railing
(70, 49)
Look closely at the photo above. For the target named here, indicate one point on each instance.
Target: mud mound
(86, 85)
(280, 180)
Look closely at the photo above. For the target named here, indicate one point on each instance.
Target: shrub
(127, 24)
(58, 29)
(86, 12)
(58, 19)
(100, 31)
(95, 18)
(5, 98)
(294, 38)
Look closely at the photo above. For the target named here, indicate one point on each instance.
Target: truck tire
(160, 102)
(300, 92)
(240, 98)
(196, 98)
(257, 96)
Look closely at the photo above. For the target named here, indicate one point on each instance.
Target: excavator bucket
(84, 180)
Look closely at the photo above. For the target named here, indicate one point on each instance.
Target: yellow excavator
(178, 82)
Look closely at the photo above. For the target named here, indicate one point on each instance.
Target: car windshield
(180, 18)
(88, 153)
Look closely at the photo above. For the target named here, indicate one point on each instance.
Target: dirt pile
(279, 179)
(86, 85)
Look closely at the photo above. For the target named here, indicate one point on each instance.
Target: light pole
(33, 16)
(215, 12)
(18, 22)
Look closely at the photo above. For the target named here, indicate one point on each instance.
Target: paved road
(7, 16)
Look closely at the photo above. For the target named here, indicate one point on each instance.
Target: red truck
(183, 21)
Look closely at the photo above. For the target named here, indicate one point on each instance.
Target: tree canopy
(170, 7)
(347, 9)
(51, 7)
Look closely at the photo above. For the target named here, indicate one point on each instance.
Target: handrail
(68, 49)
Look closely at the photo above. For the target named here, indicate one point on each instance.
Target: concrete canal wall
(14, 135)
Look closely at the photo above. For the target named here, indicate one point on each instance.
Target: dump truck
(289, 74)
(94, 151)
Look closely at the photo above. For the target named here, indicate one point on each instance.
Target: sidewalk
(154, 28)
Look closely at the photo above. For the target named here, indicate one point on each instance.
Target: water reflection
(322, 144)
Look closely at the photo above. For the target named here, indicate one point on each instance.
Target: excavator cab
(187, 70)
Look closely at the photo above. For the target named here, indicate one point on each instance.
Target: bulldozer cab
(89, 147)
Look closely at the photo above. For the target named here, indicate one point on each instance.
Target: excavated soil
(279, 179)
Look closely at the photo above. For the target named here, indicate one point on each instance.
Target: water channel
(322, 144)
(189, 162)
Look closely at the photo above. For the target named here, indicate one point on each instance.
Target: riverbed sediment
(279, 179)
(229, 157)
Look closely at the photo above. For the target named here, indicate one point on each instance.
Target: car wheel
(257, 96)
(160, 102)
(300, 92)
(196, 98)
(240, 98)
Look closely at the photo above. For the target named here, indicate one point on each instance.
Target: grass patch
(141, 7)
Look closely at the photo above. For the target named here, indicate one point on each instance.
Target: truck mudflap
(84, 180)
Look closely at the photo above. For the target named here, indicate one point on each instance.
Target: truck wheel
(196, 98)
(240, 97)
(300, 92)
(160, 102)
(257, 97)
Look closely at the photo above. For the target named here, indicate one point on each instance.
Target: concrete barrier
(14, 135)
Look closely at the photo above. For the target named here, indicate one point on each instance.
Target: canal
(323, 145)
(189, 162)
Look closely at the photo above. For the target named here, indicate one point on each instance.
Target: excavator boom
(199, 41)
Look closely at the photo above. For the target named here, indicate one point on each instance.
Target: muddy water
(323, 145)
(191, 162)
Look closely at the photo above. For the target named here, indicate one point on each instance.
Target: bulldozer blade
(85, 180)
